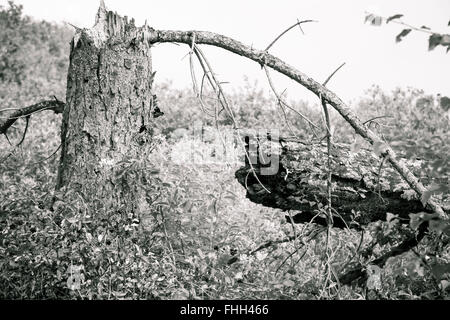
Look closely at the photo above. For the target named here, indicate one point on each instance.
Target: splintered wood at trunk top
(360, 194)
(108, 115)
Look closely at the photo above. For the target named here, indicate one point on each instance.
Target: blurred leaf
(445, 41)
(445, 284)
(414, 268)
(402, 34)
(355, 147)
(425, 197)
(390, 216)
(434, 41)
(433, 189)
(425, 27)
(397, 16)
(440, 226)
(288, 283)
(200, 253)
(416, 219)
(379, 147)
(239, 275)
(440, 270)
(374, 279)
(181, 294)
(118, 294)
(373, 20)
(261, 255)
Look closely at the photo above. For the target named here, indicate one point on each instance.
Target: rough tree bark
(361, 191)
(108, 117)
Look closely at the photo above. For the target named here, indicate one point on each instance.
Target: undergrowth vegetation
(202, 239)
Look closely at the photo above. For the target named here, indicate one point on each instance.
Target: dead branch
(358, 273)
(283, 104)
(299, 23)
(54, 105)
(264, 58)
(329, 145)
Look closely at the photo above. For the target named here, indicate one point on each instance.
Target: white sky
(370, 53)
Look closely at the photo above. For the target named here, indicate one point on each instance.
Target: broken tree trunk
(108, 117)
(193, 38)
(361, 191)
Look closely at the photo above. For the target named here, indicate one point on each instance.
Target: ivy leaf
(402, 34)
(373, 20)
(397, 16)
(434, 41)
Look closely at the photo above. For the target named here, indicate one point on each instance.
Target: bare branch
(331, 75)
(55, 105)
(24, 131)
(282, 103)
(285, 31)
(329, 145)
(375, 118)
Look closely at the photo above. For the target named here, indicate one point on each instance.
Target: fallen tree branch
(264, 58)
(54, 105)
(359, 273)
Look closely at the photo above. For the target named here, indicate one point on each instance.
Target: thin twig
(375, 118)
(329, 211)
(298, 23)
(331, 75)
(397, 21)
(312, 237)
(223, 101)
(24, 131)
(45, 159)
(281, 101)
